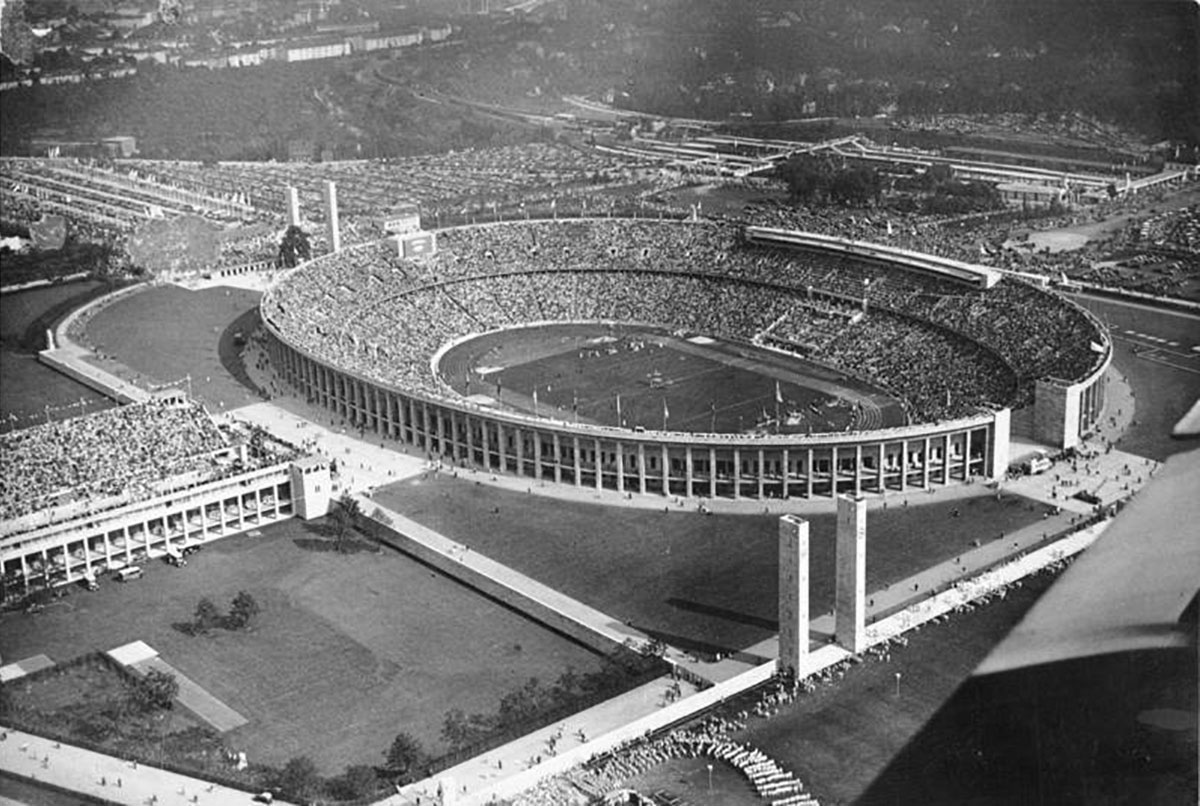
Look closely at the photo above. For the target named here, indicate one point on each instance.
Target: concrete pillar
(762, 473)
(809, 470)
(620, 466)
(501, 447)
(641, 467)
(850, 603)
(793, 594)
(293, 206)
(557, 459)
(519, 438)
(834, 473)
(712, 473)
(599, 455)
(578, 460)
(332, 228)
(787, 473)
(537, 454)
(737, 473)
(858, 469)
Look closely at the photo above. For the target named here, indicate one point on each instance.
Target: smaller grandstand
(96, 493)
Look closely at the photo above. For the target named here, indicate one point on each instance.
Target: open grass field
(658, 380)
(703, 582)
(348, 651)
(166, 333)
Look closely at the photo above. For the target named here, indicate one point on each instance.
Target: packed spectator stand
(128, 452)
(946, 349)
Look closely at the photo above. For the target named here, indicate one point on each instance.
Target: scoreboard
(415, 245)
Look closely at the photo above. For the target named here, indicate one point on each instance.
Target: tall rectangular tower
(333, 231)
(293, 206)
(850, 623)
(793, 593)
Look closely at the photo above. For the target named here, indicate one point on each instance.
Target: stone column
(620, 466)
(793, 594)
(599, 463)
(850, 603)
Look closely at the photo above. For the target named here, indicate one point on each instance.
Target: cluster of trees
(154, 691)
(814, 179)
(537, 700)
(242, 612)
(300, 781)
(102, 260)
(294, 248)
(937, 192)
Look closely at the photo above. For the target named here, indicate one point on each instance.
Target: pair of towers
(332, 228)
(850, 628)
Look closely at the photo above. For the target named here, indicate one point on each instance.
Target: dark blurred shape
(1092, 698)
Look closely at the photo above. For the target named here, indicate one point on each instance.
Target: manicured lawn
(348, 651)
(701, 581)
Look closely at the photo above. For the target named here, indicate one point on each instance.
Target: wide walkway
(107, 778)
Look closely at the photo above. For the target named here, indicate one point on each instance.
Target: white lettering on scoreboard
(417, 245)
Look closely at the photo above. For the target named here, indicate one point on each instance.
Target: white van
(132, 572)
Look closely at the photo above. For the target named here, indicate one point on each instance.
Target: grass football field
(639, 377)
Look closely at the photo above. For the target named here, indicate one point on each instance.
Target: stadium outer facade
(731, 466)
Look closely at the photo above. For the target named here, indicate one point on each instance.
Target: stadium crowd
(121, 451)
(366, 303)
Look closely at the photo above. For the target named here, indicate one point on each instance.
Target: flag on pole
(619, 421)
(666, 412)
(778, 392)
(535, 405)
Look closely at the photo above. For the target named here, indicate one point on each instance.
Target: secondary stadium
(689, 358)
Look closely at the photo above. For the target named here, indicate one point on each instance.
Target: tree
(345, 515)
(207, 616)
(16, 36)
(405, 755)
(295, 247)
(299, 779)
(155, 691)
(242, 611)
(358, 781)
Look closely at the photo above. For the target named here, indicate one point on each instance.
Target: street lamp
(710, 779)
(897, 684)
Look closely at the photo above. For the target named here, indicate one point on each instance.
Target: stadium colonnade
(664, 462)
(448, 427)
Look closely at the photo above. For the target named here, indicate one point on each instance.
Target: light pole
(897, 684)
(710, 779)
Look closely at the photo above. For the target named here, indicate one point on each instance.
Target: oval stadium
(688, 358)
